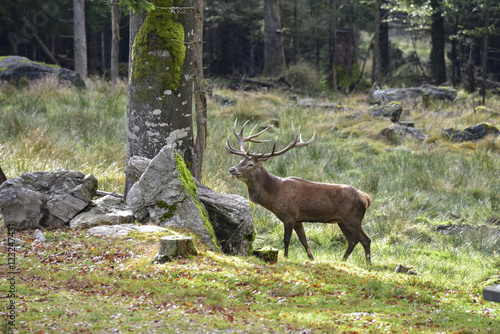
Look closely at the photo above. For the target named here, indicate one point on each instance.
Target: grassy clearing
(415, 186)
(79, 283)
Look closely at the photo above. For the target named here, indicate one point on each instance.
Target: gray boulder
(395, 131)
(107, 210)
(15, 68)
(123, 230)
(475, 132)
(231, 218)
(45, 199)
(165, 195)
(391, 110)
(412, 94)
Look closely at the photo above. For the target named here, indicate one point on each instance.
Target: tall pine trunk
(274, 55)
(438, 65)
(80, 38)
(115, 40)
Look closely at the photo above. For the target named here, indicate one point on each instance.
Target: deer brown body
(295, 201)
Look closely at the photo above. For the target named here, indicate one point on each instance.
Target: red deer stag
(294, 200)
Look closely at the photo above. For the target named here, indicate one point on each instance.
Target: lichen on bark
(159, 47)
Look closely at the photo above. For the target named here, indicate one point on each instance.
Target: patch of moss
(159, 49)
(187, 180)
(185, 175)
(250, 238)
(170, 209)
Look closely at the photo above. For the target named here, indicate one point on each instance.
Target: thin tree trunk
(419, 64)
(377, 66)
(115, 41)
(251, 62)
(80, 38)
(103, 52)
(295, 42)
(456, 76)
(200, 100)
(485, 51)
(334, 48)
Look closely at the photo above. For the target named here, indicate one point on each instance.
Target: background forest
(454, 33)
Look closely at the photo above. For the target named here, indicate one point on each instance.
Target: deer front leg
(299, 229)
(288, 234)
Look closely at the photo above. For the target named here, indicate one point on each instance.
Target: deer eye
(249, 166)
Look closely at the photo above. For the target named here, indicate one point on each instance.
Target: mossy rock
(20, 71)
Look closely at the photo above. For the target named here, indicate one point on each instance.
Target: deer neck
(262, 187)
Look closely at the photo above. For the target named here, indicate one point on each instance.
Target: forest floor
(77, 283)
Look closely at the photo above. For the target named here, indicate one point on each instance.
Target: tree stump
(492, 293)
(175, 245)
(267, 254)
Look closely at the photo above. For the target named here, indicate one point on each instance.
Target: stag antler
(296, 141)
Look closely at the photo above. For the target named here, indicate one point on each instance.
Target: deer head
(252, 162)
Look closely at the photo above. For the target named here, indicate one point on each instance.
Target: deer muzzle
(233, 172)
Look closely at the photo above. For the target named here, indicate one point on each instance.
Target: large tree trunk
(438, 66)
(80, 38)
(136, 22)
(274, 55)
(200, 102)
(115, 40)
(159, 107)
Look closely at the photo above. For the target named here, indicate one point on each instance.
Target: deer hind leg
(351, 240)
(365, 241)
(299, 229)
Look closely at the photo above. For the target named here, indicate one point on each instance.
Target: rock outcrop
(230, 215)
(165, 195)
(15, 68)
(45, 199)
(475, 132)
(412, 94)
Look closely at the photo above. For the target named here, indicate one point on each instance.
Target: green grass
(78, 283)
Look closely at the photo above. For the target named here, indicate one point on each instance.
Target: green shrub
(304, 76)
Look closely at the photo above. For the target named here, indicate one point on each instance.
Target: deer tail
(367, 200)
